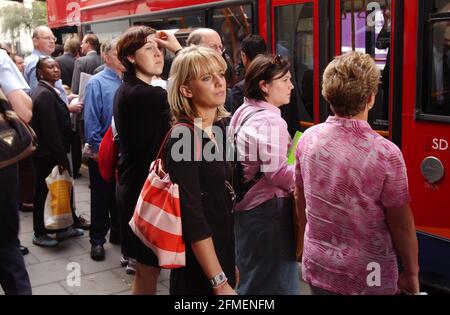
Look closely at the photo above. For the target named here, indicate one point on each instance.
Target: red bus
(410, 41)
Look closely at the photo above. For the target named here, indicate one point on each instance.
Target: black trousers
(13, 274)
(75, 148)
(104, 214)
(42, 166)
(26, 180)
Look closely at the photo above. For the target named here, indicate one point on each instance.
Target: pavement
(68, 269)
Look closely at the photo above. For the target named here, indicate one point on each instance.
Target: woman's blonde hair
(190, 64)
(349, 81)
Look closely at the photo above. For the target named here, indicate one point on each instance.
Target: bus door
(366, 26)
(294, 36)
(426, 131)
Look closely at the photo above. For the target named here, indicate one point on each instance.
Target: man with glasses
(44, 45)
(208, 37)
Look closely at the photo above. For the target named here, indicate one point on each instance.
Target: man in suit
(88, 63)
(67, 60)
(251, 46)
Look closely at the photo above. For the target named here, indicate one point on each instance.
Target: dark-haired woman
(141, 115)
(51, 122)
(265, 246)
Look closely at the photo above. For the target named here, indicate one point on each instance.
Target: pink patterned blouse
(350, 175)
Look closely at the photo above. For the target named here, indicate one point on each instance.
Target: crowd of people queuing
(348, 189)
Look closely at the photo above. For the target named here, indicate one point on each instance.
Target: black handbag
(17, 139)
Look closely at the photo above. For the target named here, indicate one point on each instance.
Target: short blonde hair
(349, 81)
(190, 64)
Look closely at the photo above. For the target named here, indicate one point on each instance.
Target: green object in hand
(293, 149)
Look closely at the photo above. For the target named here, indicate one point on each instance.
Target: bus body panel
(419, 139)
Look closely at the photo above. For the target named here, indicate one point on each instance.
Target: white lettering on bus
(440, 144)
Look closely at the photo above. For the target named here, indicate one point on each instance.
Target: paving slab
(48, 272)
(50, 289)
(101, 283)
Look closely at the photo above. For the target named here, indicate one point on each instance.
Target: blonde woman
(197, 91)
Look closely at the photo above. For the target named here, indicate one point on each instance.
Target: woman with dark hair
(51, 122)
(141, 116)
(265, 246)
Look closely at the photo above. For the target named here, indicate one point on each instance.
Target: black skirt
(132, 246)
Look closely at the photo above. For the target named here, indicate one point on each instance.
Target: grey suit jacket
(86, 64)
(67, 64)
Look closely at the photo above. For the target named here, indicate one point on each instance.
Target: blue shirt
(30, 75)
(98, 105)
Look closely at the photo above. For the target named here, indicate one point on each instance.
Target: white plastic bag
(58, 210)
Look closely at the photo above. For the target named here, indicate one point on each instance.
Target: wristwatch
(218, 279)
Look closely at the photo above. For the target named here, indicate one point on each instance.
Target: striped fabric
(157, 218)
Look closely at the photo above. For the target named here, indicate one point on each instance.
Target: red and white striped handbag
(157, 217)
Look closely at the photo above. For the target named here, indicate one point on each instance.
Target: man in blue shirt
(44, 45)
(98, 109)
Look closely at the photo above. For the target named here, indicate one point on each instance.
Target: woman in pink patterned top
(352, 193)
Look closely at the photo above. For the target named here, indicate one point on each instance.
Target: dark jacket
(142, 116)
(237, 95)
(51, 122)
(86, 64)
(67, 64)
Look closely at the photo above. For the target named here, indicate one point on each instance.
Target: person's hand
(62, 168)
(75, 106)
(409, 283)
(71, 97)
(168, 41)
(224, 289)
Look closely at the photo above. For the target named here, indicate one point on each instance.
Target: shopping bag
(157, 217)
(58, 210)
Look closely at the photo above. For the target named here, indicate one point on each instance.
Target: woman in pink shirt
(352, 191)
(265, 246)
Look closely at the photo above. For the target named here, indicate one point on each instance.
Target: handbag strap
(166, 138)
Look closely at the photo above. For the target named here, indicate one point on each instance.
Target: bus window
(294, 40)
(437, 78)
(366, 27)
(233, 23)
(188, 20)
(107, 30)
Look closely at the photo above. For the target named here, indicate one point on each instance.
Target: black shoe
(23, 250)
(80, 222)
(97, 253)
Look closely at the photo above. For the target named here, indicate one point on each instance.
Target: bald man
(208, 37)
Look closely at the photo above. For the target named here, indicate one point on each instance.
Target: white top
(10, 77)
